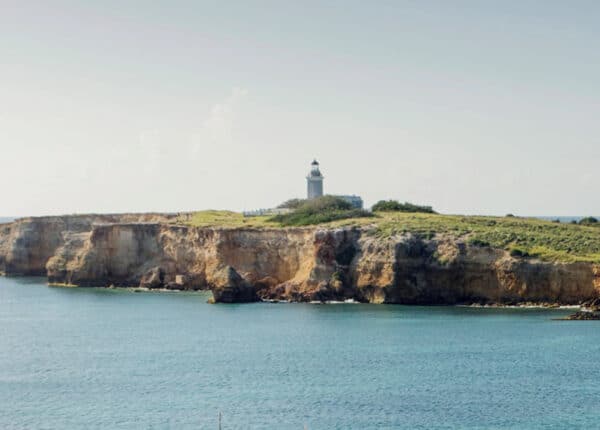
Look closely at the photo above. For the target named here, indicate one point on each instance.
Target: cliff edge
(293, 264)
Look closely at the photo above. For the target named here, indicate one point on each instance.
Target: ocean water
(113, 359)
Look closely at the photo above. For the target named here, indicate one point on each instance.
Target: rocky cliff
(297, 264)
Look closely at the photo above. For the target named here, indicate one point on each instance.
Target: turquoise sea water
(106, 359)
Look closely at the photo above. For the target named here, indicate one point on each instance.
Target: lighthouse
(314, 181)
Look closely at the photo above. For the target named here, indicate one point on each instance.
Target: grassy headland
(224, 219)
(521, 236)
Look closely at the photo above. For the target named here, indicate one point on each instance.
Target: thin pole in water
(219, 420)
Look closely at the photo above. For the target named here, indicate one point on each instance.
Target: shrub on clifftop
(590, 220)
(292, 204)
(396, 206)
(320, 210)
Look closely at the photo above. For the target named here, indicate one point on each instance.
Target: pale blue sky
(469, 106)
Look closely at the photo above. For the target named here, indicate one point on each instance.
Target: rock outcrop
(229, 287)
(292, 264)
(584, 316)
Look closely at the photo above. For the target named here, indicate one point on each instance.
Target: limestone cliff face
(447, 271)
(27, 244)
(298, 264)
(180, 257)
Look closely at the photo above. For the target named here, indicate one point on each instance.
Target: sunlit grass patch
(227, 219)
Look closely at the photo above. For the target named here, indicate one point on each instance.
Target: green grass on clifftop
(521, 236)
(224, 219)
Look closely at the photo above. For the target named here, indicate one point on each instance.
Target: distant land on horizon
(566, 219)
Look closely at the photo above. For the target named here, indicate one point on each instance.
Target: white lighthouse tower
(314, 181)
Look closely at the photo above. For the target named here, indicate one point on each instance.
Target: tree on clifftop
(292, 204)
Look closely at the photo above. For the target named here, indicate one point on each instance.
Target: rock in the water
(584, 316)
(228, 286)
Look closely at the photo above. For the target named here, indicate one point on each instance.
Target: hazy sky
(470, 106)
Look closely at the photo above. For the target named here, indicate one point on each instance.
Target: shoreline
(528, 305)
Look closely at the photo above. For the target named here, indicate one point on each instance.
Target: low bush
(590, 220)
(478, 242)
(518, 252)
(292, 204)
(320, 210)
(396, 206)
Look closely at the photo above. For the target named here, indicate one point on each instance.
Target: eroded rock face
(180, 257)
(297, 264)
(26, 245)
(154, 278)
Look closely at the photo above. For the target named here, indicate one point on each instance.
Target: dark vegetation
(396, 206)
(320, 210)
(474, 241)
(590, 220)
(292, 204)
